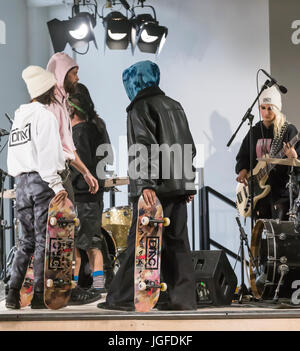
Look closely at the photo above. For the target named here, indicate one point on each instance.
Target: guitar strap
(277, 141)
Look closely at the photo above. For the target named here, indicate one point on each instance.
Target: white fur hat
(271, 96)
(38, 80)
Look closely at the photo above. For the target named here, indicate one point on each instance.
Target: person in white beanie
(35, 158)
(270, 135)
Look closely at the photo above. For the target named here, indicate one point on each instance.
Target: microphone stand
(248, 116)
(3, 223)
(243, 291)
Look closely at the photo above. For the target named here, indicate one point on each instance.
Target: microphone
(274, 81)
(7, 116)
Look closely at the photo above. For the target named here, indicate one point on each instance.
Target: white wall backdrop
(209, 64)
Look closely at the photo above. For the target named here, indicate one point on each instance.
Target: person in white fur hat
(35, 158)
(270, 135)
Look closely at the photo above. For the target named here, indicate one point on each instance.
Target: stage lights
(147, 34)
(117, 31)
(77, 31)
(142, 31)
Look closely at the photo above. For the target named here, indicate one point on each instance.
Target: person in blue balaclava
(155, 120)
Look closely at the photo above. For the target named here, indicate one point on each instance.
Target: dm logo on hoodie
(20, 136)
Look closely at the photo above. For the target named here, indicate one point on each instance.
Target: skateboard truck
(62, 221)
(59, 283)
(148, 285)
(149, 220)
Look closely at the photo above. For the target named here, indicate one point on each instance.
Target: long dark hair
(82, 104)
(47, 98)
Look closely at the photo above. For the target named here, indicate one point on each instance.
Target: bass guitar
(260, 176)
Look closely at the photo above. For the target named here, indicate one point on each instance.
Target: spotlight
(117, 31)
(147, 34)
(77, 31)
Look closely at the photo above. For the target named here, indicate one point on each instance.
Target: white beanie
(271, 96)
(38, 80)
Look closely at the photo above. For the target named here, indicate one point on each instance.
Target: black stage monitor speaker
(215, 279)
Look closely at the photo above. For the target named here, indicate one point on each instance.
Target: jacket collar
(147, 92)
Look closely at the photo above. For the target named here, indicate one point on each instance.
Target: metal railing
(204, 225)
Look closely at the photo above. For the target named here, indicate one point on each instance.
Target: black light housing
(117, 31)
(143, 30)
(147, 34)
(77, 31)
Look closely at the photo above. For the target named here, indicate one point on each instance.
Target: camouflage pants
(33, 196)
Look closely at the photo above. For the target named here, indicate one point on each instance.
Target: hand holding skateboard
(148, 252)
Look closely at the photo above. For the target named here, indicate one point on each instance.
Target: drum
(275, 246)
(117, 221)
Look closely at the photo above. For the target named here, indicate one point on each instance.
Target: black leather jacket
(155, 120)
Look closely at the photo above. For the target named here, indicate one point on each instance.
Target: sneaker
(37, 301)
(13, 299)
(81, 296)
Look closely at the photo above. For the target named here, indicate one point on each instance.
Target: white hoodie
(35, 146)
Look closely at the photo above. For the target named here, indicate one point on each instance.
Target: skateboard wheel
(163, 286)
(76, 222)
(142, 286)
(145, 221)
(49, 283)
(53, 221)
(166, 222)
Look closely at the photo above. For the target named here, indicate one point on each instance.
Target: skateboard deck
(147, 283)
(59, 254)
(26, 292)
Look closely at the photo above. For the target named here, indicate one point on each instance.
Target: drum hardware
(283, 259)
(282, 236)
(282, 270)
(275, 246)
(295, 215)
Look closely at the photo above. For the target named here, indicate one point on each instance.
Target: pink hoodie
(60, 64)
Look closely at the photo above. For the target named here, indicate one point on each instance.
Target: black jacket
(154, 120)
(278, 177)
(87, 138)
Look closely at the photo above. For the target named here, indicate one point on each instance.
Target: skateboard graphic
(59, 254)
(147, 285)
(26, 292)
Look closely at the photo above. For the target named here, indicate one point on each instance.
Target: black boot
(38, 301)
(13, 299)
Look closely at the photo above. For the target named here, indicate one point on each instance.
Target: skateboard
(147, 285)
(58, 282)
(26, 292)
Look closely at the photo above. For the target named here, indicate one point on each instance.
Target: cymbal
(117, 181)
(8, 194)
(281, 161)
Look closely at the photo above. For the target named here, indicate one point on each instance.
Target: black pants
(33, 196)
(268, 208)
(176, 261)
